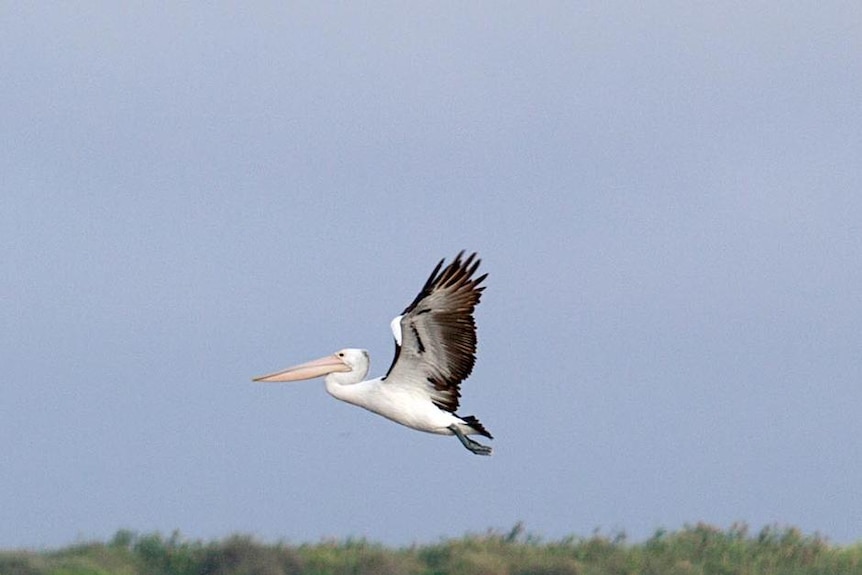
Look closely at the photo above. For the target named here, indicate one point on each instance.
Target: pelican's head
(353, 363)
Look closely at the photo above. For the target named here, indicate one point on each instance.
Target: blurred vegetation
(700, 549)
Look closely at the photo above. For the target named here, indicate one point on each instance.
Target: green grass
(694, 550)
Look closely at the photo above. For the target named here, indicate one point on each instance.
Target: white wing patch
(395, 326)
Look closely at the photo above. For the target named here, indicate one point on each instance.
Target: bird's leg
(473, 446)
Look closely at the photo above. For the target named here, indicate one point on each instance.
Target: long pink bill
(309, 370)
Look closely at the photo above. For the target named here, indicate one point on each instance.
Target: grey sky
(667, 198)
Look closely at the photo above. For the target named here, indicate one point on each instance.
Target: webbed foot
(473, 446)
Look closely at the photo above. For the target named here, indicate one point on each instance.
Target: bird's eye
(340, 354)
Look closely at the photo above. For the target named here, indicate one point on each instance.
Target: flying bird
(435, 350)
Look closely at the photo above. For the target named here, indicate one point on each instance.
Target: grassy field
(698, 549)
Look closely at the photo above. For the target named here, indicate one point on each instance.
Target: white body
(401, 402)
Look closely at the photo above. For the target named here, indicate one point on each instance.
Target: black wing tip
(459, 270)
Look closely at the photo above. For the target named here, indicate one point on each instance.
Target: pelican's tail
(476, 426)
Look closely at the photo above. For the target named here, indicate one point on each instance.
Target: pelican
(435, 350)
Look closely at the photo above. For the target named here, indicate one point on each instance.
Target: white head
(344, 367)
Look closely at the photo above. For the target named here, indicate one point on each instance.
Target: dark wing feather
(438, 332)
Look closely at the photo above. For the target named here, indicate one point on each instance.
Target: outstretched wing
(437, 344)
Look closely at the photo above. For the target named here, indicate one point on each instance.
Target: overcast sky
(667, 198)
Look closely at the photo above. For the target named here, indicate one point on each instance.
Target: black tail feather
(477, 426)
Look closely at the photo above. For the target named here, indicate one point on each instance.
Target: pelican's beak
(316, 368)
